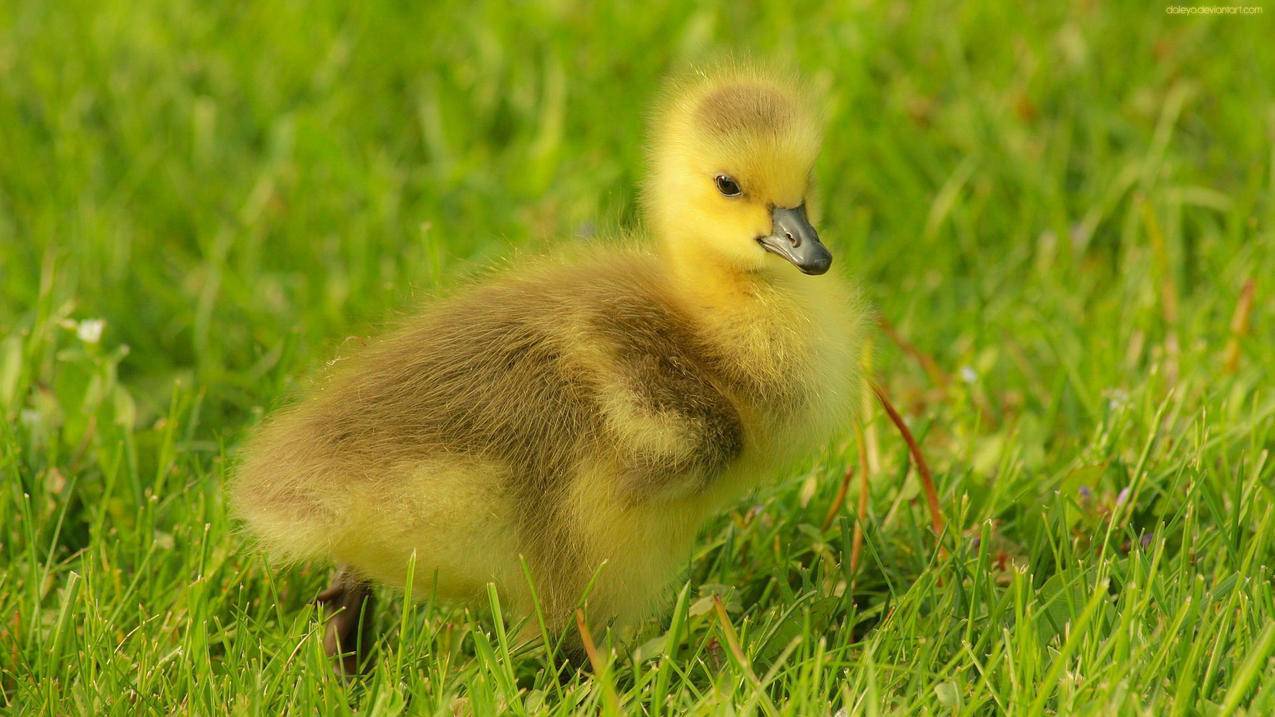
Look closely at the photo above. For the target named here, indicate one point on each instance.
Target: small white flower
(968, 375)
(90, 330)
(1117, 399)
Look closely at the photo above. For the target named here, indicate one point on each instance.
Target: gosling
(581, 417)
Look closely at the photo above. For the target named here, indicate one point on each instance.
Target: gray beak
(792, 237)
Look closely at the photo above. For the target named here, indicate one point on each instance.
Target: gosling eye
(727, 186)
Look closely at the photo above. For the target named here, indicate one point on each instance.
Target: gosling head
(730, 170)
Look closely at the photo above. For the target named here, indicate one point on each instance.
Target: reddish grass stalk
(586, 637)
(927, 478)
(1239, 326)
(839, 500)
(590, 649)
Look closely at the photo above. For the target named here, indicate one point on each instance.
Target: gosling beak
(792, 237)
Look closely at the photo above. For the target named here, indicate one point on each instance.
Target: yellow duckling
(585, 415)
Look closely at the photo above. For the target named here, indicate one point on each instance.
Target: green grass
(1059, 205)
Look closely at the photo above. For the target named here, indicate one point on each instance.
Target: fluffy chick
(584, 414)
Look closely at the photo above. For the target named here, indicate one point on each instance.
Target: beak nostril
(793, 239)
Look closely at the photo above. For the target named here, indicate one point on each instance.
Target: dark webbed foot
(347, 637)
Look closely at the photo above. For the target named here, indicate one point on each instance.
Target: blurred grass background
(1059, 203)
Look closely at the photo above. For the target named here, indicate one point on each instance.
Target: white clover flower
(968, 374)
(90, 330)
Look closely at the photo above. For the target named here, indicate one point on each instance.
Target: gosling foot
(348, 635)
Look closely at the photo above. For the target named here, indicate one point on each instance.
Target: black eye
(727, 186)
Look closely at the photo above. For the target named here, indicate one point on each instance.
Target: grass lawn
(1054, 210)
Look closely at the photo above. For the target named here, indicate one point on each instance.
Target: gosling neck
(709, 281)
(762, 324)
